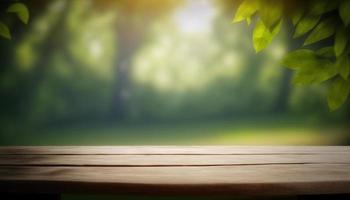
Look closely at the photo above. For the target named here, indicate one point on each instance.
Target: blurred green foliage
(320, 20)
(104, 64)
(21, 11)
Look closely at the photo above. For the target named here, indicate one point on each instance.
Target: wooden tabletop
(176, 170)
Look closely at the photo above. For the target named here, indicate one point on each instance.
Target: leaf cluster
(315, 21)
(21, 11)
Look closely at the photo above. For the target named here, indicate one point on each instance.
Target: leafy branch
(21, 11)
(317, 21)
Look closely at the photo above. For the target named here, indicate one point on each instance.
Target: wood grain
(168, 160)
(228, 180)
(167, 170)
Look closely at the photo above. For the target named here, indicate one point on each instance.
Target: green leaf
(343, 66)
(319, 7)
(314, 74)
(270, 12)
(20, 10)
(303, 77)
(341, 39)
(310, 67)
(301, 58)
(296, 16)
(326, 52)
(305, 25)
(249, 20)
(344, 13)
(5, 31)
(322, 31)
(338, 93)
(262, 36)
(245, 10)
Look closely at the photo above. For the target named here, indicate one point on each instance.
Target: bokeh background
(153, 72)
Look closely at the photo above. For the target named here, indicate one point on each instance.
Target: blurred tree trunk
(130, 31)
(52, 43)
(283, 92)
(133, 23)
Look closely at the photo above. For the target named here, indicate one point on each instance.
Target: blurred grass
(220, 132)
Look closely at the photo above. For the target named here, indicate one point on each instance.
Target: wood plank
(173, 150)
(292, 179)
(169, 160)
(177, 170)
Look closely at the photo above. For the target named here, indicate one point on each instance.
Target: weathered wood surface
(176, 170)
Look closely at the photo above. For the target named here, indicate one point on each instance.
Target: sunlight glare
(278, 51)
(95, 48)
(195, 17)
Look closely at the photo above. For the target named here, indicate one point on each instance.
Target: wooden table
(176, 170)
